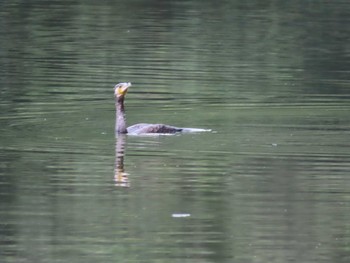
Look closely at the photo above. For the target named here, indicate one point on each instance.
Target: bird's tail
(194, 130)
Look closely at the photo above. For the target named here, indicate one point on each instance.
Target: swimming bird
(120, 91)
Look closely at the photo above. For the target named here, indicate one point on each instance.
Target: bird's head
(121, 89)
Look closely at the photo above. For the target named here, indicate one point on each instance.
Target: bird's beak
(124, 89)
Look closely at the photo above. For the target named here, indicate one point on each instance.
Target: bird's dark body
(143, 128)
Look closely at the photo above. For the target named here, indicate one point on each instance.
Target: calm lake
(269, 183)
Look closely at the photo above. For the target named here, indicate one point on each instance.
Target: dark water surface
(270, 183)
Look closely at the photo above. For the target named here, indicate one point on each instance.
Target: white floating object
(177, 215)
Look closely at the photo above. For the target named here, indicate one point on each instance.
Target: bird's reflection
(121, 178)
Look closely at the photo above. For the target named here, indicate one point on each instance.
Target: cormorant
(120, 91)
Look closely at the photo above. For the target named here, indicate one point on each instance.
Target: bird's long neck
(120, 122)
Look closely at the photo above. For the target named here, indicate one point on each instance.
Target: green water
(270, 183)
